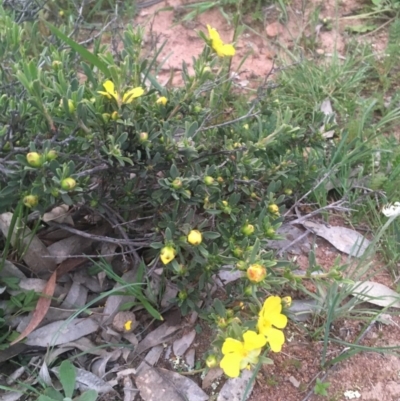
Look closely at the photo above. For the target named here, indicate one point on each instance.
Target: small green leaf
(220, 308)
(45, 398)
(174, 172)
(211, 235)
(168, 235)
(67, 378)
(90, 395)
(256, 249)
(191, 129)
(53, 393)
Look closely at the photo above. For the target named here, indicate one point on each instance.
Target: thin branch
(98, 237)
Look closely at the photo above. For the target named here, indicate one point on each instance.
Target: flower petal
(213, 33)
(272, 304)
(132, 94)
(230, 364)
(275, 339)
(279, 321)
(110, 89)
(104, 94)
(263, 326)
(253, 341)
(232, 346)
(228, 50)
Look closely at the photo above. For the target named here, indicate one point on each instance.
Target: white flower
(350, 394)
(391, 210)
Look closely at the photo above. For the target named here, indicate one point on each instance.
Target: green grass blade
(84, 53)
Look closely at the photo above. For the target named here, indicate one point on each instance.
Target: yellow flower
(239, 354)
(162, 100)
(256, 273)
(270, 316)
(167, 254)
(128, 325)
(110, 91)
(195, 237)
(132, 94)
(128, 96)
(218, 45)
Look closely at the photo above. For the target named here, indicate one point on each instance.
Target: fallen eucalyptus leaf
(76, 297)
(73, 245)
(302, 309)
(150, 359)
(344, 239)
(173, 386)
(376, 294)
(59, 214)
(212, 375)
(86, 380)
(159, 335)
(62, 332)
(190, 358)
(290, 233)
(10, 270)
(181, 345)
(115, 301)
(41, 309)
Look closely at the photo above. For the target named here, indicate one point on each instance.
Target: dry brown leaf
(36, 255)
(41, 309)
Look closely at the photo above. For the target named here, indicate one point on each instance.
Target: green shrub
(99, 131)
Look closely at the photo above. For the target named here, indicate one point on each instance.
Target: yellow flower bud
(273, 208)
(56, 64)
(211, 361)
(270, 232)
(287, 301)
(71, 106)
(177, 183)
(34, 159)
(208, 180)
(106, 117)
(68, 184)
(114, 115)
(51, 155)
(143, 137)
(167, 254)
(195, 237)
(241, 265)
(256, 273)
(30, 200)
(248, 229)
(162, 100)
